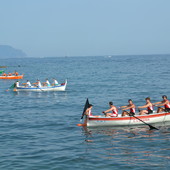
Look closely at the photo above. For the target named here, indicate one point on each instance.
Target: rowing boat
(12, 77)
(59, 87)
(101, 121)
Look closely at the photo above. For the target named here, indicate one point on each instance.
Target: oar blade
(152, 127)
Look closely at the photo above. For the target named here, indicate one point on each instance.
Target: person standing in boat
(131, 106)
(55, 82)
(112, 112)
(165, 102)
(149, 107)
(88, 111)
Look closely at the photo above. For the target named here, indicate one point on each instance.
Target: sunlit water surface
(38, 130)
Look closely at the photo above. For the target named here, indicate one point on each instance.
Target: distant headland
(7, 51)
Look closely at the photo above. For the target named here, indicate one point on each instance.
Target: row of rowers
(10, 74)
(38, 83)
(130, 109)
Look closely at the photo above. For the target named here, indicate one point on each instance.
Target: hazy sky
(86, 27)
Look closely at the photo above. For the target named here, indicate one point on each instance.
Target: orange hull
(12, 77)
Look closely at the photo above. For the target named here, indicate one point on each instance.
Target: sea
(38, 130)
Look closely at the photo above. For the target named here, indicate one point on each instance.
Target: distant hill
(7, 51)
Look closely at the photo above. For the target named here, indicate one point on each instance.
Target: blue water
(38, 129)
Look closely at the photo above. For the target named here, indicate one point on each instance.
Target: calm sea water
(38, 129)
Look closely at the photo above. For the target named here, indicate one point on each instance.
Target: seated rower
(165, 102)
(88, 111)
(15, 73)
(28, 84)
(112, 112)
(47, 83)
(55, 82)
(130, 107)
(149, 107)
(38, 84)
(4, 74)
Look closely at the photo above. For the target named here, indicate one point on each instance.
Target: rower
(55, 82)
(15, 73)
(4, 74)
(47, 83)
(148, 105)
(112, 112)
(28, 84)
(39, 84)
(165, 102)
(130, 107)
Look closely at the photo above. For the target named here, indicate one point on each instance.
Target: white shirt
(39, 84)
(17, 84)
(48, 83)
(28, 84)
(55, 82)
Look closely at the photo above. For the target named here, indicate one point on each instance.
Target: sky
(43, 28)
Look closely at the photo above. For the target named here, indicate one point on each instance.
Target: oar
(40, 88)
(12, 87)
(85, 107)
(151, 127)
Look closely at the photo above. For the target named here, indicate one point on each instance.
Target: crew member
(148, 105)
(47, 83)
(17, 83)
(165, 102)
(88, 111)
(4, 74)
(15, 73)
(39, 84)
(28, 84)
(130, 107)
(112, 112)
(55, 82)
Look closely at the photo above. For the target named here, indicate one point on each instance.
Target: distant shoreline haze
(7, 51)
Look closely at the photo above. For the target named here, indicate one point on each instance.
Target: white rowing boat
(101, 121)
(59, 87)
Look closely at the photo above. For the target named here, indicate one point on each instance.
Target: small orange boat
(12, 77)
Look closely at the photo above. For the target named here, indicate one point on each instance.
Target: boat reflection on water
(57, 96)
(113, 131)
(128, 146)
(128, 131)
